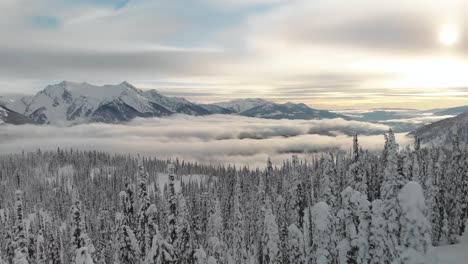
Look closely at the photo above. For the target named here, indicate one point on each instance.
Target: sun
(448, 35)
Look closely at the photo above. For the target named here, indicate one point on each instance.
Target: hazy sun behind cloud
(328, 54)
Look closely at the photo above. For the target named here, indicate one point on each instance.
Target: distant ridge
(69, 103)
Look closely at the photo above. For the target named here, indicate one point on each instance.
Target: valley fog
(216, 139)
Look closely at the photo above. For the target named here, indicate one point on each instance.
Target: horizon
(326, 54)
(16, 96)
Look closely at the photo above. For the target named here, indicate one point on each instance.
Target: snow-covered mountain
(241, 105)
(69, 103)
(441, 132)
(260, 108)
(8, 116)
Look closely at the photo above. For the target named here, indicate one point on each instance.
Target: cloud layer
(212, 139)
(327, 53)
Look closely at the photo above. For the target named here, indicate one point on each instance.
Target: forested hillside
(70, 206)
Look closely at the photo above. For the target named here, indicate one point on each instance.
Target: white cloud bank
(209, 139)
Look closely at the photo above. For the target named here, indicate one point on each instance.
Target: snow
(411, 196)
(3, 114)
(241, 105)
(453, 254)
(83, 256)
(69, 102)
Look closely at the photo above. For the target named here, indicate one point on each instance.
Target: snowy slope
(176, 104)
(241, 105)
(453, 254)
(289, 111)
(8, 116)
(255, 107)
(440, 132)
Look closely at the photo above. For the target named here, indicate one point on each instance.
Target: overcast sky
(330, 54)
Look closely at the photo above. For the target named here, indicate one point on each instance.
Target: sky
(329, 54)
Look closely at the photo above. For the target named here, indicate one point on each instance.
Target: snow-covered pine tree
(270, 180)
(144, 201)
(454, 192)
(129, 251)
(161, 251)
(40, 248)
(438, 211)
(296, 245)
(270, 239)
(184, 243)
(77, 227)
(21, 239)
(172, 199)
(326, 190)
(238, 249)
(128, 204)
(415, 228)
(296, 194)
(323, 250)
(10, 247)
(354, 214)
(215, 232)
(200, 256)
(83, 256)
(392, 183)
(378, 235)
(283, 228)
(260, 215)
(53, 250)
(357, 177)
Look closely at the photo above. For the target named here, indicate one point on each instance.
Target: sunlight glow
(448, 35)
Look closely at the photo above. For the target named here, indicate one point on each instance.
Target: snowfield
(453, 254)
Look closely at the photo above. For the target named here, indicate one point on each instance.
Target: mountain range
(69, 103)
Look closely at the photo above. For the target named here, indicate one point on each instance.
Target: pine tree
(393, 182)
(296, 195)
(53, 250)
(323, 250)
(184, 241)
(378, 235)
(128, 246)
(326, 191)
(438, 202)
(172, 217)
(356, 174)
(200, 256)
(238, 250)
(215, 232)
(270, 239)
(454, 192)
(21, 239)
(296, 245)
(353, 248)
(415, 228)
(144, 201)
(83, 256)
(77, 229)
(161, 251)
(40, 248)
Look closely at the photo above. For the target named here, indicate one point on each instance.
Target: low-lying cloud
(208, 139)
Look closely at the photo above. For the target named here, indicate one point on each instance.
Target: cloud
(209, 139)
(325, 53)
